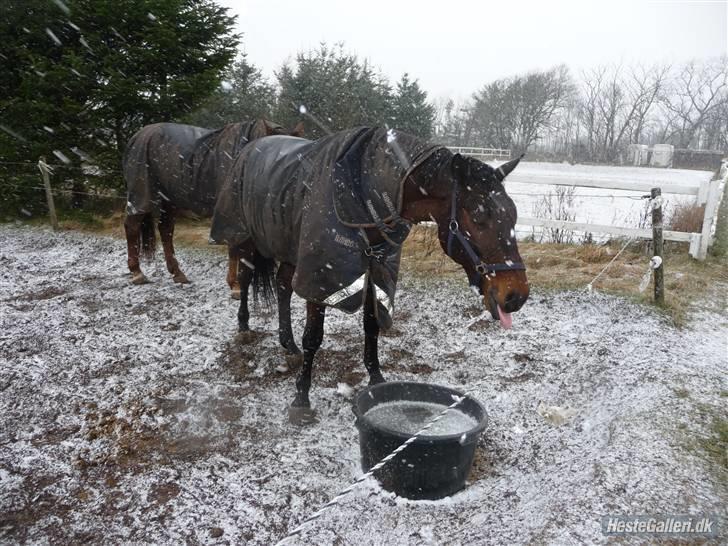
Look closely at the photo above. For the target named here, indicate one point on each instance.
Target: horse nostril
(513, 302)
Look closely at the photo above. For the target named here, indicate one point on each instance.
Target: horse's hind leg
(233, 267)
(166, 233)
(132, 228)
(300, 411)
(371, 338)
(245, 275)
(284, 278)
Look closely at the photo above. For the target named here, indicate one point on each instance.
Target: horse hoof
(301, 416)
(181, 278)
(292, 349)
(139, 278)
(235, 294)
(376, 380)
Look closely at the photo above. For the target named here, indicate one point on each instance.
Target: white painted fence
(482, 153)
(635, 179)
(707, 193)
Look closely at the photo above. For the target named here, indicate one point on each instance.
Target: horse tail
(264, 273)
(147, 237)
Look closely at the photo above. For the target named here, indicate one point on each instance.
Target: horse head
(477, 230)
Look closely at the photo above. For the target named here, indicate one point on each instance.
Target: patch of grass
(714, 445)
(687, 217)
(720, 246)
(682, 393)
(553, 266)
(710, 444)
(80, 220)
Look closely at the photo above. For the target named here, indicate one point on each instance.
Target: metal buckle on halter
(377, 254)
(482, 268)
(454, 226)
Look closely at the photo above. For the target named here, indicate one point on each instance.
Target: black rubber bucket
(432, 467)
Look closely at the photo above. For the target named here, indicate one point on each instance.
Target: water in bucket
(408, 417)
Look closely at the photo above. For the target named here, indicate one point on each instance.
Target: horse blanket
(182, 164)
(309, 203)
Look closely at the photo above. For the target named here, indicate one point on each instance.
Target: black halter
(480, 266)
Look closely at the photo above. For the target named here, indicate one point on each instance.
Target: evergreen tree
(81, 76)
(410, 110)
(244, 94)
(334, 90)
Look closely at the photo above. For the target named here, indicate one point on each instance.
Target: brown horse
(169, 168)
(333, 214)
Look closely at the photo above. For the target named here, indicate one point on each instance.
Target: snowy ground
(137, 414)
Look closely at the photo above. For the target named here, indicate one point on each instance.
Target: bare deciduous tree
(696, 93)
(613, 107)
(514, 112)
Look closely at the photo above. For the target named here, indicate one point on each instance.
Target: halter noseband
(481, 267)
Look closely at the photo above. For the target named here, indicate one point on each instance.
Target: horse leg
(371, 338)
(166, 233)
(300, 410)
(233, 267)
(284, 277)
(245, 276)
(132, 228)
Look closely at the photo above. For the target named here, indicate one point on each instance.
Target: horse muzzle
(505, 293)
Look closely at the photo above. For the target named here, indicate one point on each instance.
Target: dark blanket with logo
(182, 164)
(307, 203)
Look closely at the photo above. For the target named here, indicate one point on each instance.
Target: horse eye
(480, 214)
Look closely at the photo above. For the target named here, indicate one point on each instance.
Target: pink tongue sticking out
(505, 318)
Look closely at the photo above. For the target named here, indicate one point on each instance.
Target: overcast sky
(453, 48)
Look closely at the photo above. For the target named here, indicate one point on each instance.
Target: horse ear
(299, 130)
(505, 169)
(460, 165)
(269, 129)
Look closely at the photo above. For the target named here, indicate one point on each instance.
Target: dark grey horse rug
(308, 204)
(182, 164)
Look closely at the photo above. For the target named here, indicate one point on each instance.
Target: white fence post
(711, 208)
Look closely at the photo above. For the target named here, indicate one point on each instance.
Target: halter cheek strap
(454, 233)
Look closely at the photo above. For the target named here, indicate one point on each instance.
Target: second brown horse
(170, 167)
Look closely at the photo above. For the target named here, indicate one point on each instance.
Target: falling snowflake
(63, 157)
(64, 8)
(53, 37)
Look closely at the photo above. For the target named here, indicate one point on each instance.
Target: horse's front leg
(284, 278)
(371, 338)
(166, 233)
(300, 411)
(245, 275)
